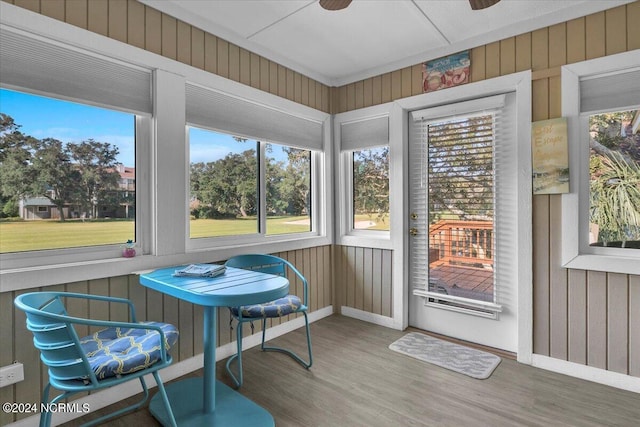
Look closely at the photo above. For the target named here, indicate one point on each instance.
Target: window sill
(45, 275)
(15, 279)
(606, 263)
(367, 240)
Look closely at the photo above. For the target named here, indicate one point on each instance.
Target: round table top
(234, 288)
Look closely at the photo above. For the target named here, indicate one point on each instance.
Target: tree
(227, 186)
(95, 164)
(74, 173)
(277, 202)
(52, 173)
(289, 187)
(14, 159)
(461, 168)
(10, 136)
(614, 169)
(371, 182)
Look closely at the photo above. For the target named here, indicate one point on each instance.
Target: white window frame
(205, 93)
(346, 234)
(317, 225)
(37, 258)
(162, 169)
(576, 252)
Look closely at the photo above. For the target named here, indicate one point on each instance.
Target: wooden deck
(461, 258)
(466, 281)
(357, 381)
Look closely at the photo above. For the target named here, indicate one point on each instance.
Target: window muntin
(370, 189)
(614, 180)
(288, 189)
(223, 184)
(61, 168)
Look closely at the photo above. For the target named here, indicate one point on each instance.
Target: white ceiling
(370, 37)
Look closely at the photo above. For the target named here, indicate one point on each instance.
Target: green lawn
(18, 236)
(379, 225)
(238, 226)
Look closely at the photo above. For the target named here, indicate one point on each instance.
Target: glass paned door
(464, 220)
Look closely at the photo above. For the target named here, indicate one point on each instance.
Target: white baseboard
(115, 394)
(589, 373)
(365, 316)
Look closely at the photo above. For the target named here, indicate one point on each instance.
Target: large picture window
(225, 186)
(67, 173)
(600, 216)
(254, 170)
(76, 130)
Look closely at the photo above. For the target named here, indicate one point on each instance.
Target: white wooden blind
(45, 67)
(223, 112)
(460, 156)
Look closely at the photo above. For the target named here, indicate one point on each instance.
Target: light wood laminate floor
(357, 381)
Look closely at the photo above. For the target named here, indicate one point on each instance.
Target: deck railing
(461, 242)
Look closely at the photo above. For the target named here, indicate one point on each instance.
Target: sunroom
(468, 174)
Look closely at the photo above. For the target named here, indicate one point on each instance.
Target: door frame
(520, 83)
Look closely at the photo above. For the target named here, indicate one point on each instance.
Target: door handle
(413, 231)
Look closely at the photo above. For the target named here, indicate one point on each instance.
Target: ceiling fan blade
(482, 4)
(334, 4)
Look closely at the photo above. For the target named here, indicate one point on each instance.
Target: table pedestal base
(232, 408)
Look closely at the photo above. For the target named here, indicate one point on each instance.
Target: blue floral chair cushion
(116, 351)
(277, 308)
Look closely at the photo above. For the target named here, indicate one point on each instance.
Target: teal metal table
(206, 401)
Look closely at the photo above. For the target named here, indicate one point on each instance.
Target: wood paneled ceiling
(369, 37)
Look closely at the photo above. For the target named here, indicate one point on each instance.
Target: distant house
(127, 190)
(36, 208)
(127, 177)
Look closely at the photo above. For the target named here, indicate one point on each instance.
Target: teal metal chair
(289, 304)
(118, 352)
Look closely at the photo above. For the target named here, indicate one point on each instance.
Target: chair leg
(290, 353)
(123, 410)
(165, 399)
(45, 417)
(306, 323)
(237, 380)
(264, 332)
